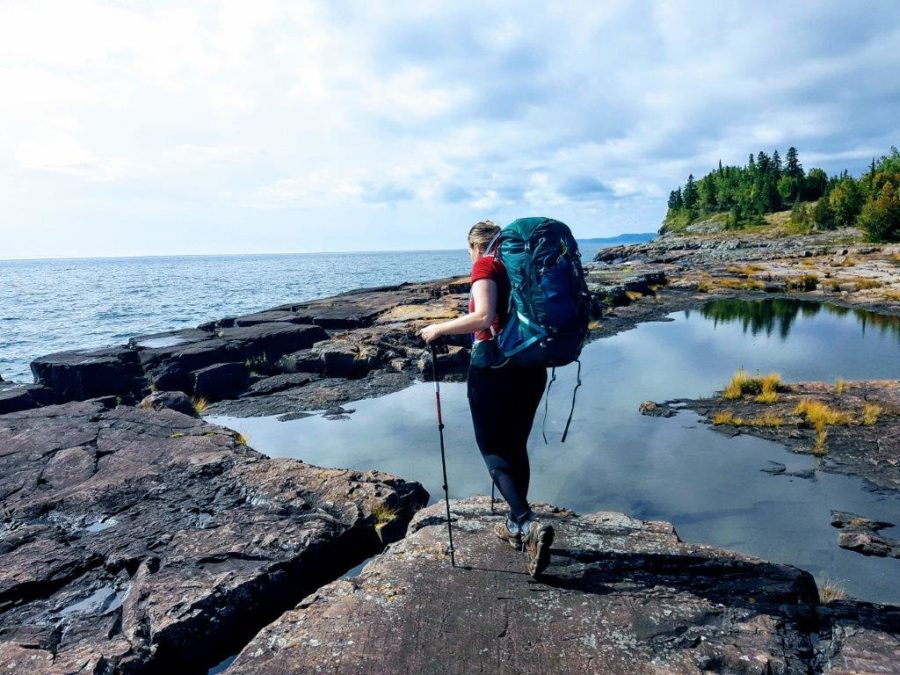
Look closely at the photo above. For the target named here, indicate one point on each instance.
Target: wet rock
(652, 409)
(861, 534)
(853, 521)
(173, 400)
(620, 595)
(221, 380)
(149, 541)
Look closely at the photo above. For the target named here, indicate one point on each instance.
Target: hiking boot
(511, 535)
(536, 540)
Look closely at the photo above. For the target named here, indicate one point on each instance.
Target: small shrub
(839, 386)
(805, 282)
(871, 413)
(199, 405)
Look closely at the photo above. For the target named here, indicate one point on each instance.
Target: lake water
(710, 486)
(53, 305)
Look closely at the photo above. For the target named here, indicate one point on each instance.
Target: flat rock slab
(621, 596)
(866, 448)
(139, 540)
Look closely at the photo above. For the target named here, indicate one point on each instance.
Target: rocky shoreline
(136, 537)
(149, 541)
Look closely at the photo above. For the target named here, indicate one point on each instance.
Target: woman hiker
(502, 398)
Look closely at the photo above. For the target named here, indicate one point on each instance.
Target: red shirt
(487, 267)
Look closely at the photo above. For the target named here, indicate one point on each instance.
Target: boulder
(149, 541)
(172, 400)
(301, 361)
(621, 595)
(220, 380)
(85, 373)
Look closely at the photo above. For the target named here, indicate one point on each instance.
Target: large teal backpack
(549, 302)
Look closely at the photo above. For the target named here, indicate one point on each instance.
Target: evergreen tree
(776, 164)
(762, 162)
(793, 167)
(689, 194)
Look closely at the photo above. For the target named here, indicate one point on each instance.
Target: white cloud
(387, 116)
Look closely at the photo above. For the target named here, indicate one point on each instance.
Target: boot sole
(542, 557)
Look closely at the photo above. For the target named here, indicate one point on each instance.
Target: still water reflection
(710, 486)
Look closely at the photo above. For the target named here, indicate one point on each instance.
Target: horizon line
(218, 255)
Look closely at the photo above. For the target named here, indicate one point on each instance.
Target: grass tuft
(820, 415)
(767, 419)
(240, 438)
(767, 397)
(746, 271)
(821, 436)
(723, 417)
(870, 414)
(764, 388)
(829, 591)
(839, 386)
(199, 405)
(383, 514)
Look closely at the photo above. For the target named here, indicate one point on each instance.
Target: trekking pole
(440, 421)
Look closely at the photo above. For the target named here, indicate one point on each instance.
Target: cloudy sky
(146, 128)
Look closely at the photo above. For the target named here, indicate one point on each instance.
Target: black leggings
(503, 402)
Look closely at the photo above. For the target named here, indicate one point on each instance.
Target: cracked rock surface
(620, 596)
(139, 540)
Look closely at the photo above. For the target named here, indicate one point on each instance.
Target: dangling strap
(487, 250)
(547, 405)
(493, 485)
(572, 411)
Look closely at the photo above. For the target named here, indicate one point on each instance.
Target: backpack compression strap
(572, 410)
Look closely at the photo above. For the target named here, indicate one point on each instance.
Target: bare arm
(484, 294)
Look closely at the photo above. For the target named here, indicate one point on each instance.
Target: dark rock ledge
(143, 541)
(621, 596)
